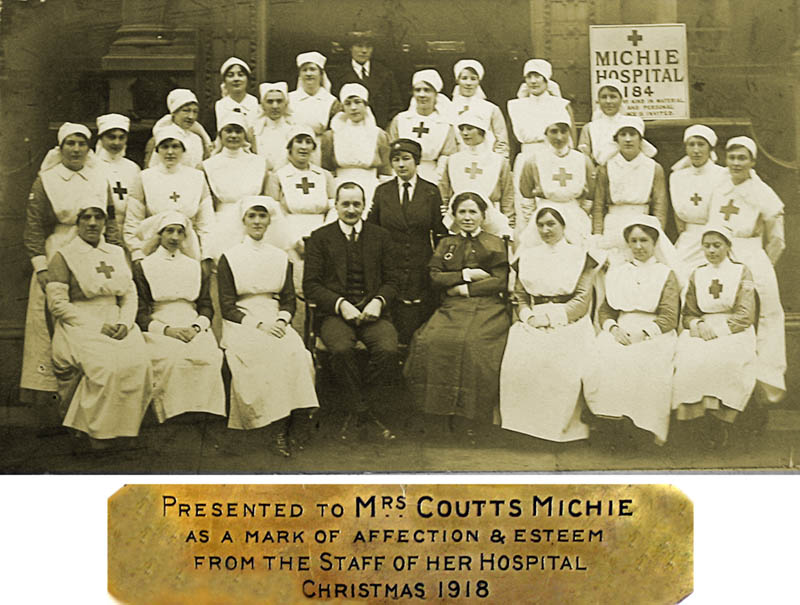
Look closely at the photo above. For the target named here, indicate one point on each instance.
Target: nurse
(554, 333)
(428, 121)
(468, 95)
(715, 363)
(68, 180)
(270, 130)
(99, 355)
(171, 185)
(691, 182)
(232, 172)
(477, 168)
(124, 176)
(754, 214)
(597, 136)
(272, 372)
(235, 75)
(355, 149)
(632, 373)
(183, 111)
(174, 314)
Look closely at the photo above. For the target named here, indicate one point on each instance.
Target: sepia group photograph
(336, 236)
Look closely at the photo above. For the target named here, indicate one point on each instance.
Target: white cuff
(652, 329)
(464, 289)
(724, 328)
(465, 275)
(557, 315)
(337, 305)
(249, 321)
(525, 314)
(608, 324)
(693, 323)
(285, 316)
(39, 263)
(136, 255)
(202, 322)
(157, 327)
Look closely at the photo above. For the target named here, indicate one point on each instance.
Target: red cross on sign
(305, 185)
(473, 170)
(728, 210)
(105, 269)
(635, 38)
(562, 176)
(715, 288)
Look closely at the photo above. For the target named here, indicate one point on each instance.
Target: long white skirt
(227, 229)
(770, 335)
(724, 368)
(540, 380)
(689, 249)
(633, 381)
(270, 376)
(37, 353)
(187, 375)
(116, 384)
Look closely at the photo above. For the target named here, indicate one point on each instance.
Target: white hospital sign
(651, 62)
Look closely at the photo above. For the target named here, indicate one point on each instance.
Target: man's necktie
(364, 72)
(406, 196)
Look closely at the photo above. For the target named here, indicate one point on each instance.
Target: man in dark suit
(351, 275)
(384, 96)
(410, 208)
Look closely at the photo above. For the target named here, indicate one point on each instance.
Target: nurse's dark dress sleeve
(658, 196)
(600, 199)
(578, 305)
(39, 223)
(668, 305)
(691, 310)
(287, 301)
(227, 292)
(605, 313)
(144, 311)
(744, 306)
(203, 304)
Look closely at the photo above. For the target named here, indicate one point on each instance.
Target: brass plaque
(281, 544)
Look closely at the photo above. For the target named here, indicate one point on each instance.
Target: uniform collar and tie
(363, 71)
(412, 182)
(473, 235)
(349, 229)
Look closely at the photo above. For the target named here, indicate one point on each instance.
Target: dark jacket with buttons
(410, 230)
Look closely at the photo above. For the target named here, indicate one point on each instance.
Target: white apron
(563, 180)
(248, 109)
(231, 176)
(690, 192)
(68, 191)
(630, 184)
(542, 370)
(431, 133)
(634, 381)
(270, 376)
(478, 169)
(116, 383)
(724, 367)
(528, 121)
(314, 111)
(187, 375)
(271, 140)
(355, 149)
(305, 194)
(124, 179)
(180, 189)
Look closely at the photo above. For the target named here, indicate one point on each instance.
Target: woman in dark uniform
(409, 207)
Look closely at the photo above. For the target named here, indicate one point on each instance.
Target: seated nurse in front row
(632, 374)
(175, 315)
(100, 358)
(271, 371)
(715, 363)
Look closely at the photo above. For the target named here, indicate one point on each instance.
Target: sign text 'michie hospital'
(638, 66)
